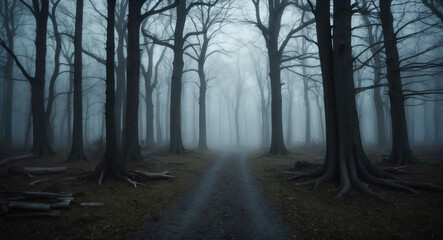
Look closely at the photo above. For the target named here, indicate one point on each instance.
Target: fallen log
(30, 206)
(47, 195)
(149, 175)
(91, 204)
(36, 170)
(26, 156)
(53, 213)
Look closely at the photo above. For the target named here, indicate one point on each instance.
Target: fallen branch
(47, 195)
(36, 170)
(26, 156)
(30, 206)
(149, 175)
(92, 204)
(53, 213)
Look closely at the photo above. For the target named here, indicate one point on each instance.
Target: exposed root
(357, 171)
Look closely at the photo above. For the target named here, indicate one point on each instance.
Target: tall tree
(40, 11)
(131, 148)
(208, 20)
(182, 10)
(345, 157)
(8, 12)
(271, 35)
(77, 152)
(150, 85)
(56, 70)
(401, 153)
(109, 166)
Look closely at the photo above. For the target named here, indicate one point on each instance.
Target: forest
(221, 119)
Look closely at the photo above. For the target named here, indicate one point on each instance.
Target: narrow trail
(227, 203)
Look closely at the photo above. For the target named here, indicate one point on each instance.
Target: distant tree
(208, 21)
(9, 13)
(182, 10)
(276, 46)
(40, 11)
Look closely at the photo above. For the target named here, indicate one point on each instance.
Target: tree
(208, 21)
(77, 152)
(131, 148)
(401, 153)
(271, 35)
(109, 166)
(8, 12)
(345, 157)
(182, 10)
(56, 71)
(150, 85)
(40, 11)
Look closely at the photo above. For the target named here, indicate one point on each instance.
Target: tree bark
(131, 148)
(77, 152)
(109, 165)
(401, 153)
(149, 89)
(176, 143)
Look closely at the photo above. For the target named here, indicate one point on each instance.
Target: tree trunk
(9, 82)
(202, 143)
(109, 165)
(40, 139)
(308, 109)
(77, 153)
(158, 118)
(120, 70)
(131, 148)
(176, 143)
(290, 107)
(55, 73)
(401, 153)
(149, 88)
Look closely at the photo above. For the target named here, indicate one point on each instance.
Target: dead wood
(26, 156)
(53, 213)
(37, 181)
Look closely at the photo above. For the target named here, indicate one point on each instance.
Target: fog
(236, 70)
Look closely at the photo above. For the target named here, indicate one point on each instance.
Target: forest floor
(126, 209)
(312, 214)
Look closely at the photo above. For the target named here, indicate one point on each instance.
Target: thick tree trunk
(277, 143)
(120, 70)
(131, 148)
(176, 143)
(77, 152)
(40, 139)
(401, 153)
(109, 166)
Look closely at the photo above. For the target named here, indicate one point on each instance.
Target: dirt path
(226, 204)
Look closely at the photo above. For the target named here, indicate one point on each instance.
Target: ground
(228, 195)
(126, 209)
(226, 204)
(313, 215)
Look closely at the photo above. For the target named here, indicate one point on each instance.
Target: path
(226, 204)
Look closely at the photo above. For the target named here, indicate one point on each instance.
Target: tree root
(357, 171)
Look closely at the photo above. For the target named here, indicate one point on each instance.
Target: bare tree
(40, 11)
(271, 34)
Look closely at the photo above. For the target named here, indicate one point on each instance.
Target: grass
(312, 214)
(126, 209)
